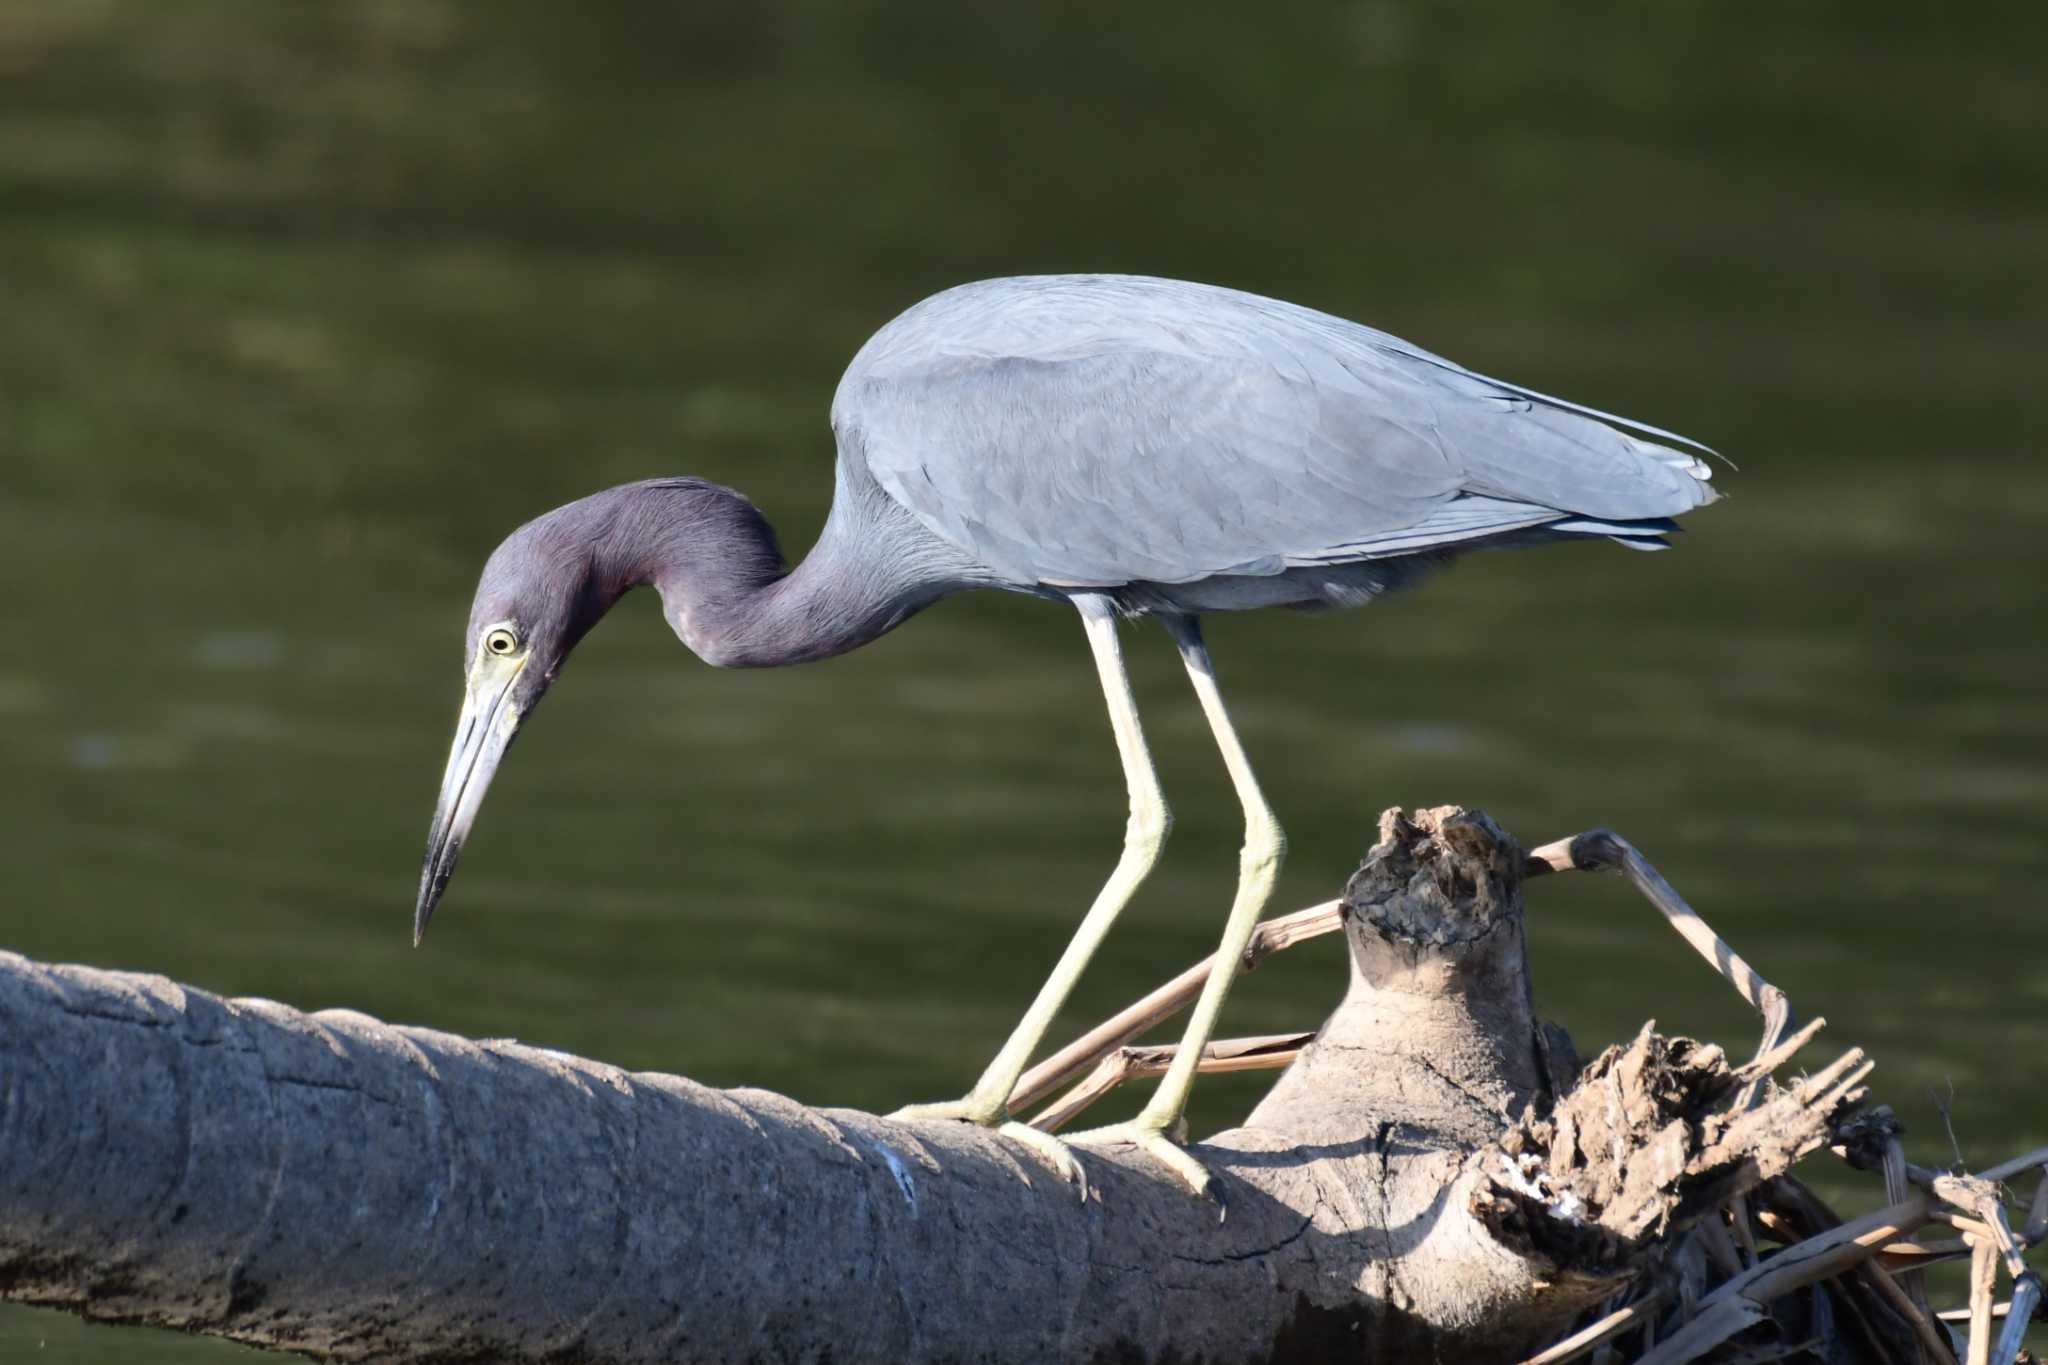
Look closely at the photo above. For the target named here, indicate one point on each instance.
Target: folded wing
(1102, 430)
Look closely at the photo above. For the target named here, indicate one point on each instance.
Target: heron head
(547, 585)
(541, 592)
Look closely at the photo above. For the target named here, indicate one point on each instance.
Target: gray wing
(1102, 430)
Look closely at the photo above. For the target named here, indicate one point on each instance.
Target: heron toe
(978, 1112)
(1053, 1151)
(1154, 1142)
(1049, 1149)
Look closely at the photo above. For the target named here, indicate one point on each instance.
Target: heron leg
(1144, 836)
(1156, 1126)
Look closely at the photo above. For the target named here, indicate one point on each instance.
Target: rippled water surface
(305, 306)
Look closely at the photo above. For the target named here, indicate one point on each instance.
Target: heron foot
(968, 1110)
(1049, 1149)
(1154, 1142)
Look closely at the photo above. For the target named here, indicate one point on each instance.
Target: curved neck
(727, 594)
(790, 618)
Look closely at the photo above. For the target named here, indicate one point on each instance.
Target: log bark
(1416, 1186)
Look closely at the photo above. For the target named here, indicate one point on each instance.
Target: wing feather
(1102, 430)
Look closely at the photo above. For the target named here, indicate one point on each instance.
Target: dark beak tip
(423, 910)
(423, 913)
(436, 871)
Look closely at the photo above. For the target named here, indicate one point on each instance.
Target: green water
(301, 307)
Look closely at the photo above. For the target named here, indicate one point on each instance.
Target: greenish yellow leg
(1258, 869)
(1144, 837)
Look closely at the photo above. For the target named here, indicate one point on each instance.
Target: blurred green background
(303, 306)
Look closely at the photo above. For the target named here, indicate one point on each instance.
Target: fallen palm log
(1432, 1177)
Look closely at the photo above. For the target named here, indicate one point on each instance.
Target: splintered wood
(1651, 1138)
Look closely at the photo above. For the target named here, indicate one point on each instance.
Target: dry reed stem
(1998, 1310)
(1602, 850)
(1934, 1344)
(1737, 1210)
(1979, 1196)
(1879, 1118)
(1613, 1325)
(1983, 1279)
(1268, 1052)
(1798, 1214)
(1904, 1257)
(1739, 1302)
(1912, 1283)
(1972, 1230)
(2006, 1170)
(1163, 1003)
(1720, 1247)
(2026, 1297)
(1925, 1176)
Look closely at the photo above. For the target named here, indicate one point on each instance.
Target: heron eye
(501, 641)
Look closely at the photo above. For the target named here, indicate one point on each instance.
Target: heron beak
(490, 719)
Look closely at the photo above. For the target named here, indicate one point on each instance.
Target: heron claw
(1053, 1151)
(1168, 1152)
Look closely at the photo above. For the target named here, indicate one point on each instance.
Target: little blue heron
(1129, 446)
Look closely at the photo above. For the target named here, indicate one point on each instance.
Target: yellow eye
(499, 640)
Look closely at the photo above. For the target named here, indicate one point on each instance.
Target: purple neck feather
(726, 590)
